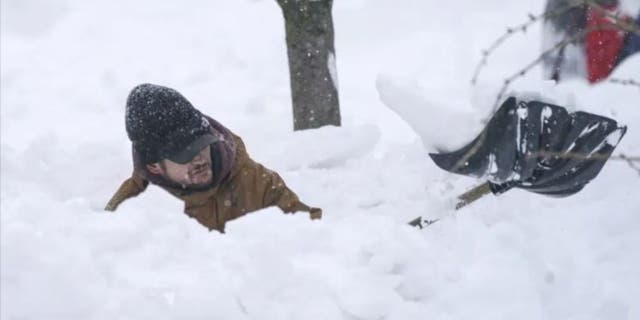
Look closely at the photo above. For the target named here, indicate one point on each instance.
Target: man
(198, 160)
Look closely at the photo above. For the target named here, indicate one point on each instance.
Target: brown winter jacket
(248, 187)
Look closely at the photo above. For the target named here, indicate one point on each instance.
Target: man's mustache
(199, 168)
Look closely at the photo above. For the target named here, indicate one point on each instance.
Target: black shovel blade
(537, 146)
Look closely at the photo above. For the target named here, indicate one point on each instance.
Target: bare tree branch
(464, 160)
(626, 82)
(533, 63)
(581, 156)
(626, 25)
(631, 161)
(513, 30)
(617, 24)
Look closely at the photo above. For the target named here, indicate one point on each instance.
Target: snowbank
(67, 67)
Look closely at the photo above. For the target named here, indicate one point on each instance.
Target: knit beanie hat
(162, 124)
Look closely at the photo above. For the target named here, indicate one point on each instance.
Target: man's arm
(129, 188)
(257, 187)
(276, 193)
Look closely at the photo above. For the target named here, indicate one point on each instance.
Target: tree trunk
(312, 63)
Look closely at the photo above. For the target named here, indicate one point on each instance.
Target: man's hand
(110, 207)
(315, 213)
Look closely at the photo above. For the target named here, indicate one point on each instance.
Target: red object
(602, 46)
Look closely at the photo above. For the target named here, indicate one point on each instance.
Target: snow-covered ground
(67, 67)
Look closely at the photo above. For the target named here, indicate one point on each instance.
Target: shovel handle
(474, 194)
(469, 197)
(483, 190)
(465, 199)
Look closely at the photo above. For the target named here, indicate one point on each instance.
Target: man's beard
(191, 175)
(202, 172)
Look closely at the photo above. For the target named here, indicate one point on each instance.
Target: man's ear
(155, 168)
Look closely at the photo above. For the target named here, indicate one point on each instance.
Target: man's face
(195, 174)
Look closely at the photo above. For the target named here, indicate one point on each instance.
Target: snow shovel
(534, 146)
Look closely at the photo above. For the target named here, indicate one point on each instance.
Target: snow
(331, 66)
(67, 67)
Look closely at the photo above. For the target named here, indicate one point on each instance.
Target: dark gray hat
(162, 124)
